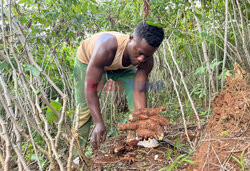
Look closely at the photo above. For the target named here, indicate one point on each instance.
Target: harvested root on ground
(149, 111)
(160, 120)
(133, 118)
(146, 123)
(145, 133)
(122, 147)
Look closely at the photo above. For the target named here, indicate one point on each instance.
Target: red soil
(228, 131)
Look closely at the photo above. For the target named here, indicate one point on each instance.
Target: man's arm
(141, 77)
(102, 56)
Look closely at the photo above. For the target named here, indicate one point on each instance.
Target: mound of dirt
(227, 132)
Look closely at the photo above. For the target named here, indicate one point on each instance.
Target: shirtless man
(126, 59)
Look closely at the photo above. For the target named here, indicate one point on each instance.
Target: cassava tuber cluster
(146, 123)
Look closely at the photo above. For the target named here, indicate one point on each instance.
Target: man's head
(144, 42)
(152, 34)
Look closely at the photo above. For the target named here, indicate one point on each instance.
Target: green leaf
(154, 23)
(70, 112)
(32, 69)
(51, 117)
(200, 70)
(236, 159)
(85, 6)
(40, 158)
(22, 1)
(214, 64)
(190, 161)
(63, 150)
(56, 105)
(4, 65)
(93, 8)
(242, 154)
(177, 33)
(179, 157)
(33, 157)
(23, 20)
(113, 132)
(123, 121)
(204, 34)
(37, 91)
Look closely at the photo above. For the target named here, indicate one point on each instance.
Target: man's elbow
(91, 85)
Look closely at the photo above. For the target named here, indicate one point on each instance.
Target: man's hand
(98, 135)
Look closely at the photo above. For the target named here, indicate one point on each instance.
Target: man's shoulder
(108, 42)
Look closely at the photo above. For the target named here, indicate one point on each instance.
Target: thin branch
(225, 43)
(61, 121)
(20, 157)
(244, 36)
(178, 96)
(5, 137)
(222, 167)
(188, 94)
(74, 137)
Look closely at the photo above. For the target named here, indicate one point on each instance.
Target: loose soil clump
(227, 132)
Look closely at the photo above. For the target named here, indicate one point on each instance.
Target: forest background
(38, 45)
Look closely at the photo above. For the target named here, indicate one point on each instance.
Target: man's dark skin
(137, 52)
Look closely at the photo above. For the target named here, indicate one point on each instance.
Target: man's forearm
(140, 99)
(94, 106)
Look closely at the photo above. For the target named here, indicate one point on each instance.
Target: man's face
(140, 50)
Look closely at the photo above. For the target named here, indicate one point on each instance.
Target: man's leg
(84, 116)
(124, 79)
(81, 105)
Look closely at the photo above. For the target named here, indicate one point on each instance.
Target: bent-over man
(120, 57)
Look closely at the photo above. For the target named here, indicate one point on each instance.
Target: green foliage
(70, 112)
(154, 23)
(199, 90)
(29, 150)
(241, 162)
(142, 165)
(33, 70)
(177, 162)
(225, 132)
(113, 132)
(89, 152)
(4, 65)
(50, 115)
(213, 64)
(204, 115)
(124, 118)
(40, 158)
(168, 153)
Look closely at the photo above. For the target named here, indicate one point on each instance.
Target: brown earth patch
(227, 132)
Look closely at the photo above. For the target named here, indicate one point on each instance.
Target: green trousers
(124, 81)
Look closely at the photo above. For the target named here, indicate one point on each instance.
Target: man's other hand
(98, 135)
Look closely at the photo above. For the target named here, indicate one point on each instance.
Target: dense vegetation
(38, 45)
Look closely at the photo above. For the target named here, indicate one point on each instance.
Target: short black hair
(152, 34)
